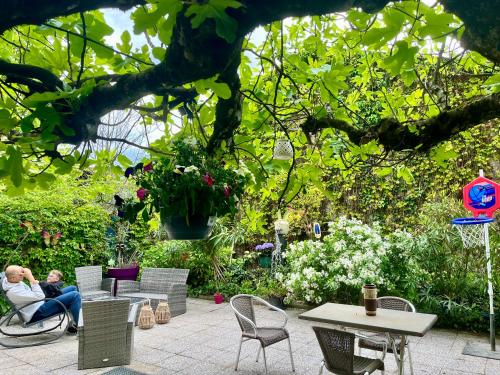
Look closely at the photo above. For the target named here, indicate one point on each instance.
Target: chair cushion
(269, 335)
(362, 365)
(143, 295)
(366, 344)
(89, 294)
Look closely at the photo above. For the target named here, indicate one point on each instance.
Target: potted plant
(187, 189)
(273, 291)
(218, 298)
(265, 252)
(123, 262)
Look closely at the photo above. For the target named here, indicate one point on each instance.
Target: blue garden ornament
(317, 230)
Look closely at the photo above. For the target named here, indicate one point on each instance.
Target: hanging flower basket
(188, 189)
(192, 228)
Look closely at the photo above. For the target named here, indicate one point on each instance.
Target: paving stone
(178, 363)
(204, 341)
(7, 362)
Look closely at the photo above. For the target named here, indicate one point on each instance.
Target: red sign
(482, 197)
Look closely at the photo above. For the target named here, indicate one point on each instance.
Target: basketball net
(472, 235)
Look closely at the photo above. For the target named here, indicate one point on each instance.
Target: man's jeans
(70, 298)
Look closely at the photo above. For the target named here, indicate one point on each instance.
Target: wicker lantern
(146, 317)
(162, 313)
(283, 150)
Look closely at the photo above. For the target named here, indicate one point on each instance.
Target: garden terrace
(205, 341)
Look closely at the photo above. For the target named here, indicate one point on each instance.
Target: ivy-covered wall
(29, 225)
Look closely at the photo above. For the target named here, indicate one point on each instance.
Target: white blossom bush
(350, 256)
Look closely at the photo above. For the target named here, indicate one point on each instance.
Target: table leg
(402, 355)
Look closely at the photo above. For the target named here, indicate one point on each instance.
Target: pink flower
(141, 193)
(227, 191)
(55, 238)
(46, 237)
(148, 167)
(208, 180)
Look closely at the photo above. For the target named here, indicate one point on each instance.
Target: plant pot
(218, 298)
(265, 261)
(123, 273)
(177, 228)
(277, 302)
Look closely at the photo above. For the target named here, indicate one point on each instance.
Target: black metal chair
(242, 306)
(338, 353)
(14, 333)
(393, 342)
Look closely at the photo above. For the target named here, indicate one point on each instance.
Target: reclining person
(21, 294)
(53, 286)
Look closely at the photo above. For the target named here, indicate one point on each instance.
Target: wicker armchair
(158, 284)
(90, 283)
(25, 333)
(242, 306)
(338, 353)
(393, 342)
(105, 333)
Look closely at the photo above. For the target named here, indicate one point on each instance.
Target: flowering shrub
(265, 247)
(190, 183)
(350, 256)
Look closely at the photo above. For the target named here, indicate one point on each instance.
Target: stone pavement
(204, 341)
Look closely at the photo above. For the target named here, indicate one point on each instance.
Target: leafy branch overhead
(239, 74)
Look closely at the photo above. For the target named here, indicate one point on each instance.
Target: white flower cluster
(350, 256)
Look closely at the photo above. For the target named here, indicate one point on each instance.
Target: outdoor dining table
(402, 323)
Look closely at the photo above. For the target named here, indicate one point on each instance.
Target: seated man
(20, 294)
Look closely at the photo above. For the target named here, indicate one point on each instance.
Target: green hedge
(81, 223)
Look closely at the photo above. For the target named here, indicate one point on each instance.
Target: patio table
(396, 322)
(139, 301)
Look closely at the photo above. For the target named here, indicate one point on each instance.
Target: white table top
(392, 321)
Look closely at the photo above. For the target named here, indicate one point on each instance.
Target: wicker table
(139, 301)
(402, 323)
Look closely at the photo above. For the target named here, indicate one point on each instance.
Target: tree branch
(396, 136)
(46, 77)
(35, 12)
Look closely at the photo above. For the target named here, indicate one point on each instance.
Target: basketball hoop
(471, 230)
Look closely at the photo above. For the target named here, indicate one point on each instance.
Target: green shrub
(81, 223)
(456, 289)
(401, 267)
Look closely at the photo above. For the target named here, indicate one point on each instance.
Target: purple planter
(128, 273)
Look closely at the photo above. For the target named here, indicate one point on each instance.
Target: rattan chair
(90, 283)
(158, 284)
(19, 334)
(242, 306)
(393, 342)
(105, 333)
(338, 353)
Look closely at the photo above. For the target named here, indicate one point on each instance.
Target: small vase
(370, 299)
